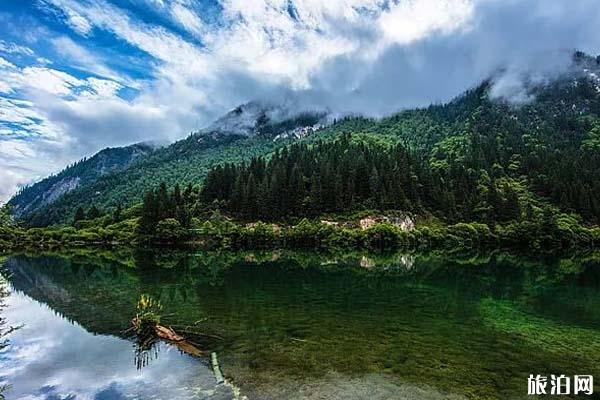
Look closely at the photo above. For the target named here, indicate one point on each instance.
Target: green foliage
(169, 230)
(160, 206)
(308, 234)
(382, 236)
(82, 173)
(148, 313)
(185, 162)
(79, 215)
(591, 143)
(492, 174)
(335, 176)
(93, 213)
(6, 218)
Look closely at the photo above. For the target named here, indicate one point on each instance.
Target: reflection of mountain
(56, 359)
(101, 294)
(84, 294)
(293, 315)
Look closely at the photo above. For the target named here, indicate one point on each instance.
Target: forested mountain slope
(474, 159)
(476, 155)
(185, 161)
(80, 174)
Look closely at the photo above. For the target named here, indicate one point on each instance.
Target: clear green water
(306, 325)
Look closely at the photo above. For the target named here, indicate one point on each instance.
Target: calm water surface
(301, 325)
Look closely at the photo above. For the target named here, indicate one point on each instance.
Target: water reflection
(5, 328)
(53, 358)
(145, 352)
(421, 325)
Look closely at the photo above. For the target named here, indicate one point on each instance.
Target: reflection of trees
(274, 308)
(100, 291)
(145, 350)
(5, 330)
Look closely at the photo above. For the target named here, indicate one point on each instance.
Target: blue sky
(80, 75)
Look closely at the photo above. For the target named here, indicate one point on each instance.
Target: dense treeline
(495, 164)
(476, 171)
(184, 162)
(307, 180)
(548, 148)
(165, 211)
(345, 175)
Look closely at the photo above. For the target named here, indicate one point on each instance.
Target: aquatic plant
(148, 313)
(144, 324)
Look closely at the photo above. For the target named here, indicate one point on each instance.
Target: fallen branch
(216, 369)
(186, 346)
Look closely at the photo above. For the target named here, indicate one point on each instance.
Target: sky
(77, 76)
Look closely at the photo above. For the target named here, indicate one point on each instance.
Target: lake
(300, 325)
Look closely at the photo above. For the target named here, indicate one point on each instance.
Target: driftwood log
(149, 333)
(183, 344)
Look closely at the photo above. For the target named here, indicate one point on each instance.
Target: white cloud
(11, 180)
(43, 61)
(69, 16)
(13, 48)
(78, 23)
(25, 162)
(33, 142)
(22, 119)
(188, 19)
(103, 87)
(412, 20)
(6, 64)
(370, 56)
(5, 88)
(155, 40)
(50, 80)
(81, 58)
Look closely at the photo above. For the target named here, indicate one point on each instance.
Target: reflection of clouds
(51, 358)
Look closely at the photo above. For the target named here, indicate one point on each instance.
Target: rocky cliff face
(83, 172)
(260, 118)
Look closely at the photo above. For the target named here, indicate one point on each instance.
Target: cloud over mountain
(76, 76)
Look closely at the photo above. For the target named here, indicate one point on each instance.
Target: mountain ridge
(250, 120)
(84, 171)
(255, 129)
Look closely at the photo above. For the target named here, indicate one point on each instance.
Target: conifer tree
(79, 214)
(93, 212)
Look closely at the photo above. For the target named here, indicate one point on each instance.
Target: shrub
(382, 236)
(169, 230)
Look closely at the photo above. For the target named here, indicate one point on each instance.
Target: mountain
(82, 173)
(258, 118)
(477, 145)
(110, 178)
(475, 159)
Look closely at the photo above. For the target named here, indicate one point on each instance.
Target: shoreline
(380, 237)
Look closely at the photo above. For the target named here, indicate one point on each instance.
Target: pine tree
(93, 212)
(79, 214)
(176, 199)
(149, 218)
(117, 213)
(511, 207)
